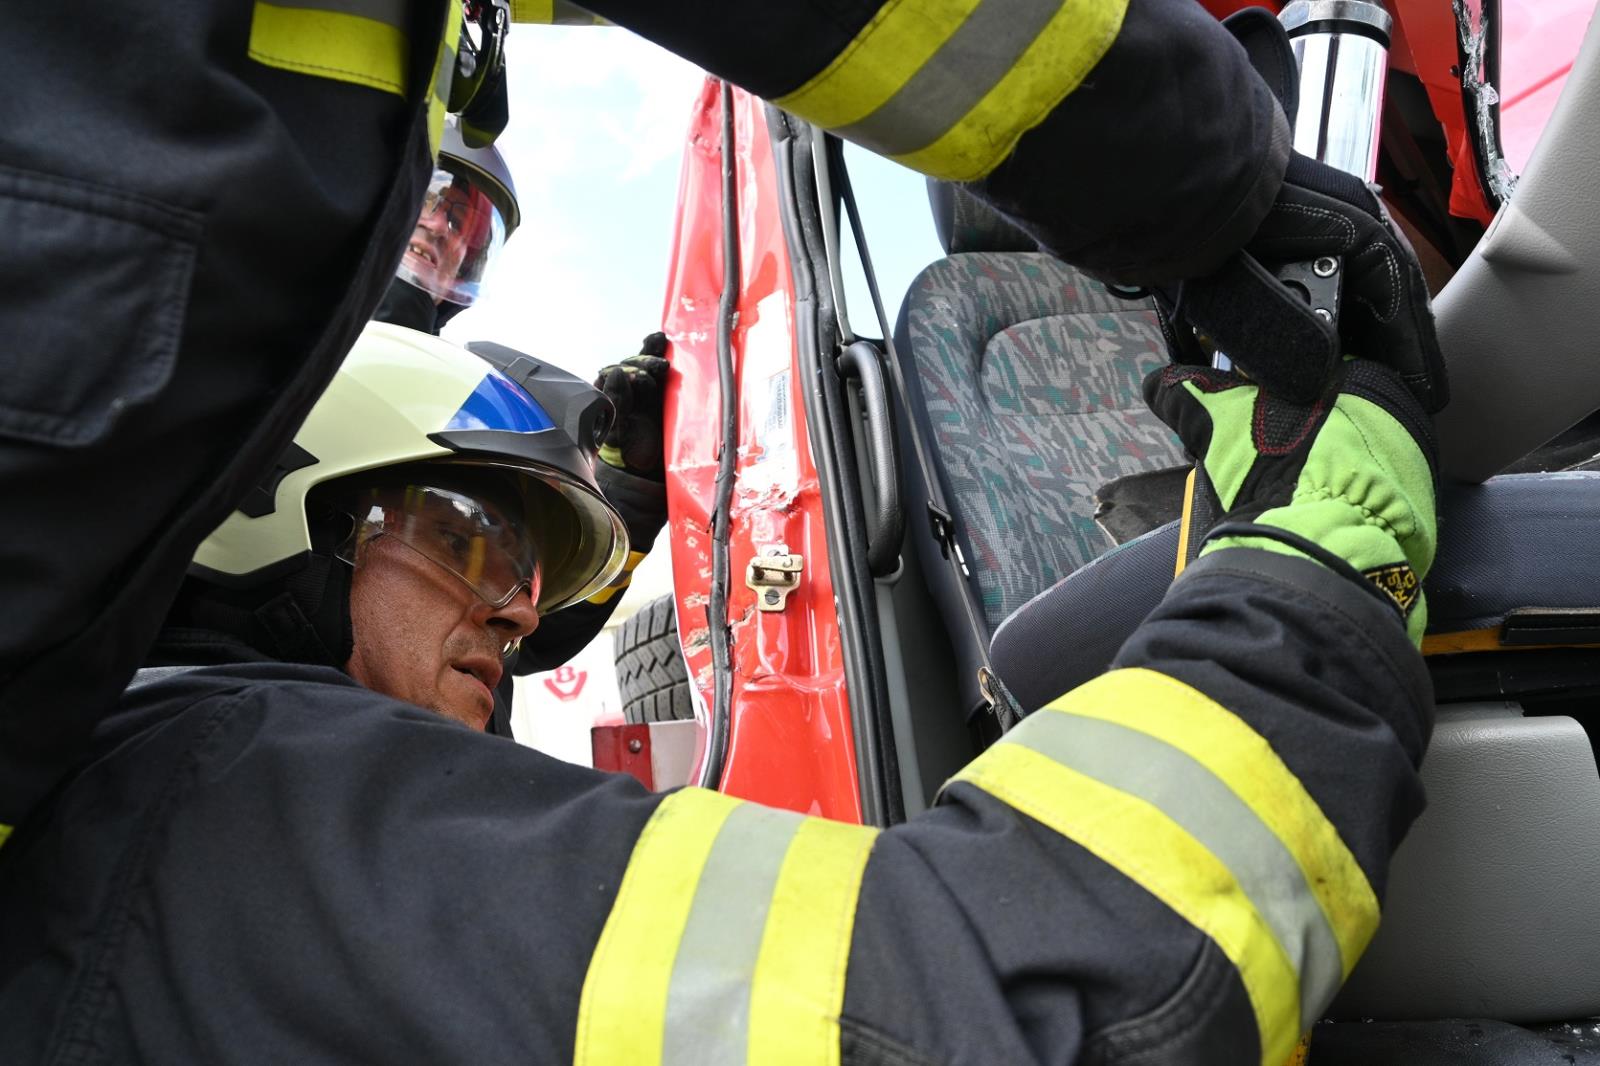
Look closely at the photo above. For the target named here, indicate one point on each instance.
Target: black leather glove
(1269, 326)
(1275, 334)
(635, 388)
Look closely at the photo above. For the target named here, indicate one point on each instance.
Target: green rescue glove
(1348, 481)
(636, 388)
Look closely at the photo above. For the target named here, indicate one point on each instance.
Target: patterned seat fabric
(1029, 379)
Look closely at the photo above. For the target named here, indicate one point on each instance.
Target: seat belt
(997, 700)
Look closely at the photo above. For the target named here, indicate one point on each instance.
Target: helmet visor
(490, 552)
(457, 233)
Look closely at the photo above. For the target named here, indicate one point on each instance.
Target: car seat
(1023, 376)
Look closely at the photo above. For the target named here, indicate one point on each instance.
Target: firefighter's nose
(436, 222)
(516, 619)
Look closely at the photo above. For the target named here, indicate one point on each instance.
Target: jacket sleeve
(643, 505)
(1178, 862)
(1132, 139)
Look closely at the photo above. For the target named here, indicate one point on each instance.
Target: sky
(598, 118)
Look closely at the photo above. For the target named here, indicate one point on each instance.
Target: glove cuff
(1340, 537)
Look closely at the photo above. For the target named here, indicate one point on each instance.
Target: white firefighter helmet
(403, 399)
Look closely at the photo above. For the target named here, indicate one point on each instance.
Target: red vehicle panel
(789, 739)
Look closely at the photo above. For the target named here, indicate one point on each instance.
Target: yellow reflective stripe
(899, 40)
(1241, 758)
(330, 44)
(708, 1007)
(553, 12)
(444, 69)
(622, 1011)
(1139, 840)
(1215, 818)
(798, 990)
(1054, 65)
(5, 834)
(948, 86)
(1184, 523)
(729, 938)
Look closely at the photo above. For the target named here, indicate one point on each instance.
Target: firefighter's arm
(1133, 139)
(1178, 862)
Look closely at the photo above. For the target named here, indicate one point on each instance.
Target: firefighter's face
(423, 636)
(440, 238)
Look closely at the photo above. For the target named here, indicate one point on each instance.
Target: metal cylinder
(1342, 47)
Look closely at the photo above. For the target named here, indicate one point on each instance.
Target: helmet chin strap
(309, 622)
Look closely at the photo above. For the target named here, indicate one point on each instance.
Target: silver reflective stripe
(1210, 812)
(446, 72)
(708, 1004)
(388, 12)
(151, 674)
(981, 51)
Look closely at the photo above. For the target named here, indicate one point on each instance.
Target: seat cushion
(1026, 375)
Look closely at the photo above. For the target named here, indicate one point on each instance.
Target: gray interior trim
(1518, 323)
(1491, 900)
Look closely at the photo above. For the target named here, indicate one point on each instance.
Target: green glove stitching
(1353, 473)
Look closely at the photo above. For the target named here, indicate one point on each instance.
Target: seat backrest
(1024, 375)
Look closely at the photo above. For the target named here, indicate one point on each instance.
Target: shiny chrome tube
(1342, 47)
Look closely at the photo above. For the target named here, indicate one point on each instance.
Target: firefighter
(468, 213)
(1177, 862)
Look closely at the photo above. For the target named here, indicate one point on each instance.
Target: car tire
(650, 672)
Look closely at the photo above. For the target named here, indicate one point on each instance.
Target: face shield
(458, 232)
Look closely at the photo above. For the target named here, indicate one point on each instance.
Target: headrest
(967, 224)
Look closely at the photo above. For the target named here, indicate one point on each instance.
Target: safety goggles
(459, 202)
(493, 555)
